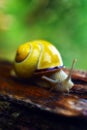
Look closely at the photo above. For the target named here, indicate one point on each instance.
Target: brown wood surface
(26, 106)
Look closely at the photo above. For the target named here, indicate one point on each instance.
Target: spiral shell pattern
(36, 55)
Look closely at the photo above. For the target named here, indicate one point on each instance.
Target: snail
(41, 59)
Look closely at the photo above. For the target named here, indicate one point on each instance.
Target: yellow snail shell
(42, 55)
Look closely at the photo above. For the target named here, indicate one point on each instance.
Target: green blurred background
(62, 22)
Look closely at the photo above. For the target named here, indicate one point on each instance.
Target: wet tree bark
(24, 106)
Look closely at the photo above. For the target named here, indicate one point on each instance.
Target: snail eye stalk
(70, 72)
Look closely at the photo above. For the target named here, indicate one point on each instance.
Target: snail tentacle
(50, 81)
(69, 75)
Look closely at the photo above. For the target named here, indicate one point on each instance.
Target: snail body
(41, 59)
